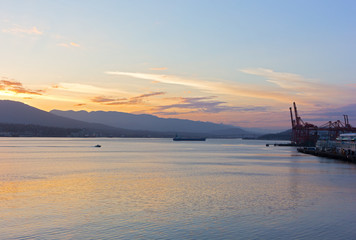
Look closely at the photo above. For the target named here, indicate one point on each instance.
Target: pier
(307, 134)
(334, 155)
(336, 140)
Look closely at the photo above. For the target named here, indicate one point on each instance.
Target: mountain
(152, 123)
(29, 121)
(20, 113)
(285, 135)
(17, 113)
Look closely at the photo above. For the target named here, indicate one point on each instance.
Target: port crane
(306, 134)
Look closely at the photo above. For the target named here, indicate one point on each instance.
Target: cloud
(199, 104)
(22, 30)
(84, 88)
(124, 101)
(68, 45)
(106, 100)
(283, 88)
(284, 80)
(63, 45)
(304, 89)
(17, 88)
(160, 78)
(202, 104)
(340, 111)
(74, 44)
(332, 114)
(150, 94)
(159, 69)
(79, 93)
(227, 88)
(80, 104)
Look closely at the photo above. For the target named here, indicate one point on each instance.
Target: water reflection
(143, 188)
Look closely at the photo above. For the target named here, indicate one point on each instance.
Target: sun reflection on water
(154, 188)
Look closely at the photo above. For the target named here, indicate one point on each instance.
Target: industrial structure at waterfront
(307, 134)
(335, 140)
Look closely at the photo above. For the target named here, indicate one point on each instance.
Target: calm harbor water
(61, 188)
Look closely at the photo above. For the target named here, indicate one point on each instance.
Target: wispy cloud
(304, 89)
(73, 44)
(290, 81)
(231, 88)
(203, 105)
(84, 89)
(283, 88)
(160, 78)
(198, 104)
(63, 45)
(158, 69)
(17, 88)
(331, 114)
(125, 101)
(68, 45)
(108, 100)
(80, 105)
(149, 94)
(17, 29)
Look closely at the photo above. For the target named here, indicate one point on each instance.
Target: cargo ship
(177, 138)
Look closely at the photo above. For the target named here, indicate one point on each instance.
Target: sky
(236, 62)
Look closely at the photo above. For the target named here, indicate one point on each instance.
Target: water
(56, 188)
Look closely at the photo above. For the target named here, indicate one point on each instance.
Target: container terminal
(332, 140)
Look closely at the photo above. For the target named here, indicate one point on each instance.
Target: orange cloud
(225, 88)
(68, 45)
(106, 100)
(21, 30)
(304, 89)
(283, 88)
(74, 44)
(203, 105)
(84, 89)
(79, 105)
(124, 101)
(150, 94)
(159, 69)
(63, 45)
(17, 87)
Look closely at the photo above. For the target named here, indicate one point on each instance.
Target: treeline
(286, 135)
(32, 130)
(29, 130)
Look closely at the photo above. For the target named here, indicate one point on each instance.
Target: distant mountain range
(115, 124)
(18, 113)
(151, 123)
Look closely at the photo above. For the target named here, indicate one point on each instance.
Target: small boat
(176, 138)
(97, 146)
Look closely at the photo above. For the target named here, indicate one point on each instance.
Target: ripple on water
(154, 189)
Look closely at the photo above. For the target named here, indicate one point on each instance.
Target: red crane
(306, 134)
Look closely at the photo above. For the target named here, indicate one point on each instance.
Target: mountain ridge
(21, 113)
(15, 112)
(148, 122)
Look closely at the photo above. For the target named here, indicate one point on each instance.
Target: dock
(333, 155)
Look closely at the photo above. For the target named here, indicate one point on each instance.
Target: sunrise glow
(191, 73)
